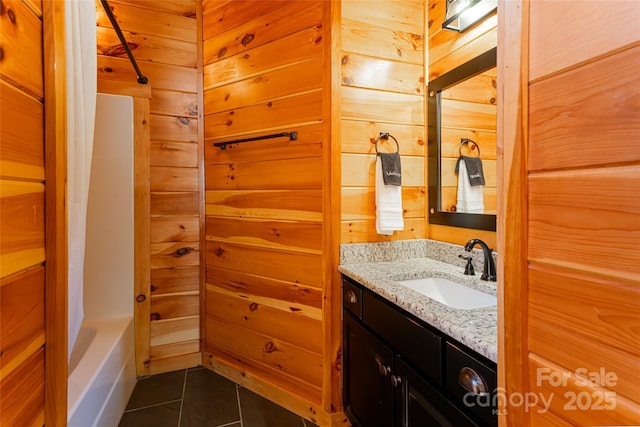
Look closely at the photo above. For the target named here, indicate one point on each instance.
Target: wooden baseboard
(175, 363)
(302, 407)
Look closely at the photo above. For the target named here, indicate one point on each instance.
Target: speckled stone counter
(475, 328)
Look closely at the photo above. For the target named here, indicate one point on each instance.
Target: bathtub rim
(109, 334)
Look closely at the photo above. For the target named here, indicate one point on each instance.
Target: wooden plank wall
(448, 50)
(163, 36)
(265, 279)
(382, 90)
(581, 293)
(584, 209)
(22, 215)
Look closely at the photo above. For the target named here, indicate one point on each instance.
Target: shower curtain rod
(142, 79)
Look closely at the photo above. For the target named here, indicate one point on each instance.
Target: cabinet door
(418, 404)
(367, 364)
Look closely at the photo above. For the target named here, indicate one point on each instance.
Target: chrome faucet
(489, 270)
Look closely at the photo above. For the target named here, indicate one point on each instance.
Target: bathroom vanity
(409, 360)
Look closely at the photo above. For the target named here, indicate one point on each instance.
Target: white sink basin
(450, 293)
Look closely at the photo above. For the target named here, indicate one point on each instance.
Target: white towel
(470, 199)
(388, 204)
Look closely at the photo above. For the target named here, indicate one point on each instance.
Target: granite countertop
(476, 328)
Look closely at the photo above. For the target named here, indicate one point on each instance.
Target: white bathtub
(101, 373)
(101, 365)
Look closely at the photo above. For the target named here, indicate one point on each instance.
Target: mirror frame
(465, 71)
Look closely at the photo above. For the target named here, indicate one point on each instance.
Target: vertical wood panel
(166, 41)
(332, 296)
(264, 74)
(56, 355)
(142, 240)
(513, 115)
(588, 202)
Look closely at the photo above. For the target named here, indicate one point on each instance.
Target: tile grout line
(239, 406)
(184, 386)
(150, 406)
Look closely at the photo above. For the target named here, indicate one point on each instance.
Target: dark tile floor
(197, 397)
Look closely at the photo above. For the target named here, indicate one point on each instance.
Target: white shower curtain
(81, 62)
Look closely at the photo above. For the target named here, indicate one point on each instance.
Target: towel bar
(223, 145)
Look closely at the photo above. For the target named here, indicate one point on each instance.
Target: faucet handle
(468, 269)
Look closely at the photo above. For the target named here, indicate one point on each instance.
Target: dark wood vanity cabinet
(367, 384)
(395, 373)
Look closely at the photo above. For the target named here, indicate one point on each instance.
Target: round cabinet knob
(471, 381)
(395, 381)
(351, 297)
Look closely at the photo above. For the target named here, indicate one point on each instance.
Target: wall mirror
(462, 116)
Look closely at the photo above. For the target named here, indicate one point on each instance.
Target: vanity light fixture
(461, 14)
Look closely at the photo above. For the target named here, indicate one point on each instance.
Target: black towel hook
(387, 135)
(468, 141)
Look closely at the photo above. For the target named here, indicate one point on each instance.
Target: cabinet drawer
(464, 369)
(352, 298)
(419, 404)
(416, 343)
